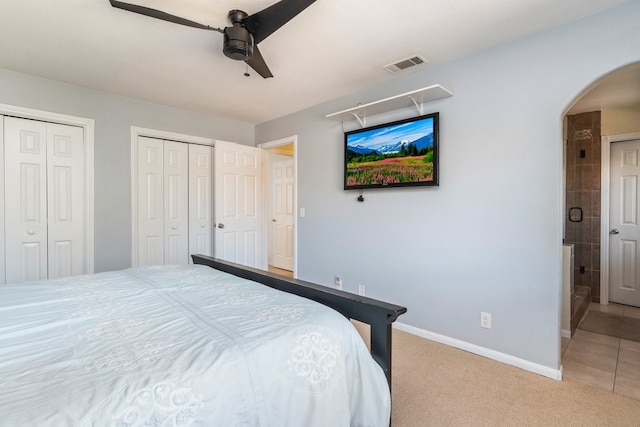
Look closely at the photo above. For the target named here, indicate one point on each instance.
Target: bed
(198, 345)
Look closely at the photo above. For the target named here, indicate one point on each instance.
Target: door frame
(293, 139)
(88, 128)
(136, 132)
(606, 142)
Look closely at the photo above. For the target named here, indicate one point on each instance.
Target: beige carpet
(612, 325)
(437, 385)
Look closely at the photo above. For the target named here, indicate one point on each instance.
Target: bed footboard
(378, 314)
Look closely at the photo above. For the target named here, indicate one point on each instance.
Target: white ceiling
(333, 48)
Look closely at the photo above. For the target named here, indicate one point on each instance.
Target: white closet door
(3, 261)
(65, 200)
(176, 203)
(25, 200)
(200, 199)
(150, 201)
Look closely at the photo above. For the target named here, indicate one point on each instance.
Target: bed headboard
(378, 314)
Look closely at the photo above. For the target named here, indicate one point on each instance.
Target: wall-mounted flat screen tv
(398, 154)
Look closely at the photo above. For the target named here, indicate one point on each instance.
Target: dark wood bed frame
(378, 314)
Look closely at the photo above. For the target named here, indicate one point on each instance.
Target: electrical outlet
(361, 290)
(485, 320)
(338, 282)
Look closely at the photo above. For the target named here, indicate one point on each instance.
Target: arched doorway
(605, 113)
(610, 106)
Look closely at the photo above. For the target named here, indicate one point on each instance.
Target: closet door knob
(31, 232)
(175, 227)
(221, 225)
(203, 225)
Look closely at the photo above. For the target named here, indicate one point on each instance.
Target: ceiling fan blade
(153, 13)
(256, 61)
(262, 24)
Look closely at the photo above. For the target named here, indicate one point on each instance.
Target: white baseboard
(536, 368)
(565, 334)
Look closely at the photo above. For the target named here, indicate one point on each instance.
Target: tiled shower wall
(582, 222)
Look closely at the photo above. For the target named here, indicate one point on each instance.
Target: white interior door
(238, 203)
(150, 201)
(282, 210)
(65, 200)
(176, 203)
(624, 274)
(200, 199)
(25, 200)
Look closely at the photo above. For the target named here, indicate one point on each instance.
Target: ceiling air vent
(403, 64)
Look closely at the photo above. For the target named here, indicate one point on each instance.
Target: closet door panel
(150, 201)
(200, 199)
(25, 200)
(3, 261)
(176, 202)
(65, 201)
(174, 186)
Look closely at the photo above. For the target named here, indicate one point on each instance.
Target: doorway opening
(171, 197)
(597, 126)
(605, 113)
(280, 190)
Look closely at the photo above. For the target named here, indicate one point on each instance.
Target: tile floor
(603, 361)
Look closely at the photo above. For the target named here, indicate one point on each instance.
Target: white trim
(605, 160)
(536, 368)
(137, 131)
(88, 127)
(264, 223)
(172, 136)
(565, 334)
(607, 140)
(3, 261)
(293, 139)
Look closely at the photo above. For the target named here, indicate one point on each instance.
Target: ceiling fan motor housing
(238, 41)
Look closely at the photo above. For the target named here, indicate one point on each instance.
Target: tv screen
(397, 154)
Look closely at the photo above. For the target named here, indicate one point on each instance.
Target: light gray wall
(489, 238)
(114, 116)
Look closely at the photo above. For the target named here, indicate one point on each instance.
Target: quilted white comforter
(180, 345)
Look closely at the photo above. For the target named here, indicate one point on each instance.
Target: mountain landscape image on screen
(391, 155)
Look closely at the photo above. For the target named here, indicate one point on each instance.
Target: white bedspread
(180, 345)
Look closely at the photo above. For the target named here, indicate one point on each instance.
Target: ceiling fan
(246, 31)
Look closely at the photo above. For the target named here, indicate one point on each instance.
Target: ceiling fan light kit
(238, 41)
(246, 31)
